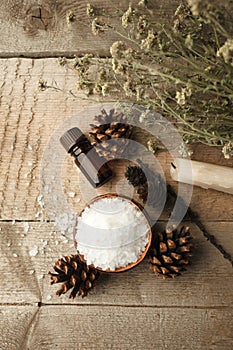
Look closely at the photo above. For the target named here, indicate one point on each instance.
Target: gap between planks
(196, 307)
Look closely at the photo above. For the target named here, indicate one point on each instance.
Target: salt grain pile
(112, 233)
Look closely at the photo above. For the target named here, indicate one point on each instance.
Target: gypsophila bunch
(182, 69)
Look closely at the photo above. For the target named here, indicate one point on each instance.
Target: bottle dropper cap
(70, 138)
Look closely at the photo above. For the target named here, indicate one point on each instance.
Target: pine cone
(170, 251)
(109, 127)
(150, 189)
(135, 175)
(74, 273)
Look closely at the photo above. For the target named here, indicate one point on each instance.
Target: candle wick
(173, 165)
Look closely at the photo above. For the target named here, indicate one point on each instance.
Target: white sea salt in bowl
(113, 233)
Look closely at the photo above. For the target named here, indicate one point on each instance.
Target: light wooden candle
(205, 175)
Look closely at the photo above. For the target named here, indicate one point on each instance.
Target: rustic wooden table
(132, 310)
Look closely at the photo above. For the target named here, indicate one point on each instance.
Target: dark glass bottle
(87, 159)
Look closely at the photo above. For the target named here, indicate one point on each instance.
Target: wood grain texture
(26, 279)
(69, 328)
(28, 118)
(132, 328)
(40, 29)
(25, 116)
(132, 310)
(16, 323)
(223, 232)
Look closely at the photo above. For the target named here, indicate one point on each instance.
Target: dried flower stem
(182, 69)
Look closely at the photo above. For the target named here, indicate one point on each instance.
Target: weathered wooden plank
(27, 253)
(41, 29)
(93, 327)
(16, 323)
(26, 116)
(26, 279)
(27, 120)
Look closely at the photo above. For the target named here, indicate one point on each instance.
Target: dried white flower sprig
(182, 69)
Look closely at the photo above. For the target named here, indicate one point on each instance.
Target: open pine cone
(109, 126)
(150, 187)
(135, 175)
(74, 273)
(170, 252)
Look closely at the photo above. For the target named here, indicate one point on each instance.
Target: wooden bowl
(138, 207)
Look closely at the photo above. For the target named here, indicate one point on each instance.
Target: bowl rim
(139, 207)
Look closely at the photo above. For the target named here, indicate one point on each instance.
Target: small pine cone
(170, 252)
(74, 273)
(150, 187)
(135, 175)
(109, 126)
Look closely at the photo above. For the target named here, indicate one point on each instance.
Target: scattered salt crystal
(40, 196)
(41, 250)
(112, 233)
(46, 189)
(56, 242)
(13, 222)
(29, 147)
(31, 272)
(40, 200)
(45, 242)
(65, 240)
(15, 255)
(12, 146)
(38, 214)
(72, 194)
(8, 243)
(66, 222)
(78, 200)
(19, 244)
(70, 230)
(30, 163)
(25, 176)
(40, 277)
(48, 297)
(34, 251)
(26, 227)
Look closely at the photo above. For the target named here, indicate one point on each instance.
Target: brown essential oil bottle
(86, 158)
